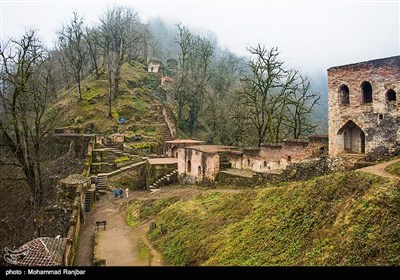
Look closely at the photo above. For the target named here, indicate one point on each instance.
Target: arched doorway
(351, 138)
(174, 152)
(189, 167)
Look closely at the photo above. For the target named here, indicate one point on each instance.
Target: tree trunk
(79, 90)
(116, 87)
(109, 95)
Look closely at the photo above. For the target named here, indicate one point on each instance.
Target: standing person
(121, 193)
(115, 193)
(126, 191)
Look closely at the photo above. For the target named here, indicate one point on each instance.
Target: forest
(216, 95)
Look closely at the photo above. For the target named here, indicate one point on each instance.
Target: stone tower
(364, 109)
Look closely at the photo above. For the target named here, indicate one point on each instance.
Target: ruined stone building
(171, 147)
(279, 156)
(154, 65)
(363, 106)
(204, 162)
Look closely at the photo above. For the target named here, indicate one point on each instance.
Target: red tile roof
(43, 251)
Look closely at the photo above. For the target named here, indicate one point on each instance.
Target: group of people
(119, 192)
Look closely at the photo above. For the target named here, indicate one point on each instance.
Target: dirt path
(379, 169)
(120, 244)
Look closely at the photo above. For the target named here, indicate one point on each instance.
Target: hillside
(137, 103)
(351, 218)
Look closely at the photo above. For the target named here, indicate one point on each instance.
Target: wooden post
(152, 226)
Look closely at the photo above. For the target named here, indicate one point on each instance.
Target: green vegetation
(342, 219)
(141, 210)
(394, 168)
(121, 159)
(126, 181)
(144, 252)
(137, 90)
(97, 261)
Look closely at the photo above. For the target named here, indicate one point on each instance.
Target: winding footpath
(119, 244)
(379, 169)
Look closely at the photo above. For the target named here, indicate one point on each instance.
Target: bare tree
(71, 41)
(92, 40)
(301, 104)
(193, 77)
(262, 95)
(120, 34)
(25, 95)
(277, 98)
(221, 97)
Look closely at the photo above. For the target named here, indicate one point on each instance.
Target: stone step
(88, 200)
(103, 182)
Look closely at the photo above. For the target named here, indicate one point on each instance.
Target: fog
(311, 35)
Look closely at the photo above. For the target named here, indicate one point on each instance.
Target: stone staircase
(165, 180)
(105, 156)
(165, 133)
(224, 163)
(103, 182)
(90, 198)
(163, 129)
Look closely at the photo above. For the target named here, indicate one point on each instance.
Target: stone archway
(350, 138)
(174, 152)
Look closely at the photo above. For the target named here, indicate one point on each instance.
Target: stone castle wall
(357, 125)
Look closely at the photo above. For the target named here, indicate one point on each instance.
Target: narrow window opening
(344, 95)
(391, 95)
(366, 90)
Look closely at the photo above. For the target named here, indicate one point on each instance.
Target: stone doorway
(351, 139)
(174, 152)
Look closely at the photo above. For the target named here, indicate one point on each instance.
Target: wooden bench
(99, 223)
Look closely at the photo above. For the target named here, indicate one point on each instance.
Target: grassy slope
(394, 168)
(343, 219)
(137, 90)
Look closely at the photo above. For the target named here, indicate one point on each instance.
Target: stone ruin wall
(208, 163)
(378, 119)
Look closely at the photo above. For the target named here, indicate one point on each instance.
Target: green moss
(121, 159)
(140, 211)
(126, 181)
(137, 92)
(394, 168)
(144, 252)
(342, 219)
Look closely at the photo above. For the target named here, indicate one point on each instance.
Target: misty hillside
(211, 94)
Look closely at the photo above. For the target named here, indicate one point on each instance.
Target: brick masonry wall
(382, 74)
(206, 163)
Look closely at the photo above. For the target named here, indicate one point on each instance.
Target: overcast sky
(311, 35)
